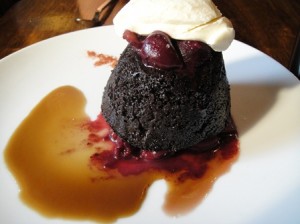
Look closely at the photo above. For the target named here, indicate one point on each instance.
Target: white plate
(263, 186)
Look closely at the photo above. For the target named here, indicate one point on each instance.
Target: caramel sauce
(52, 156)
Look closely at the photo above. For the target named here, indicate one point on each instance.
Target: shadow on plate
(257, 86)
(250, 103)
(285, 210)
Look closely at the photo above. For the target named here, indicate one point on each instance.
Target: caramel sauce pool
(49, 156)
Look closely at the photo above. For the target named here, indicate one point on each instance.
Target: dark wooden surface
(268, 25)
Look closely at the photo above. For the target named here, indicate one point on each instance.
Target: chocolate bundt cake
(167, 109)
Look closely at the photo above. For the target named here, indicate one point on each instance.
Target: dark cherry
(194, 52)
(158, 51)
(134, 39)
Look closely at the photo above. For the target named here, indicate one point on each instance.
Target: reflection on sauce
(52, 155)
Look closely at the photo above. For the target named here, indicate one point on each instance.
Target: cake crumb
(103, 59)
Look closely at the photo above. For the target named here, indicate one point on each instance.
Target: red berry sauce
(190, 163)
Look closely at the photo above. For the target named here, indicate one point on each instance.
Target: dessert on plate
(169, 90)
(167, 116)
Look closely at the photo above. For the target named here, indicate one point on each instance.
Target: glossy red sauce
(190, 163)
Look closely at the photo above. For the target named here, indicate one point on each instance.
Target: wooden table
(272, 26)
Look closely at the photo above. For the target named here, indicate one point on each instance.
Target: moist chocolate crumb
(166, 109)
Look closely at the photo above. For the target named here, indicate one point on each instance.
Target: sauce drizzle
(66, 165)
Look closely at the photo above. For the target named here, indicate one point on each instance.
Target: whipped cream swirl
(197, 20)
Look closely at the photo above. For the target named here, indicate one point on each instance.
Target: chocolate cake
(167, 108)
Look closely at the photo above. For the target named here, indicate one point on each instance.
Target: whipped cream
(197, 20)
